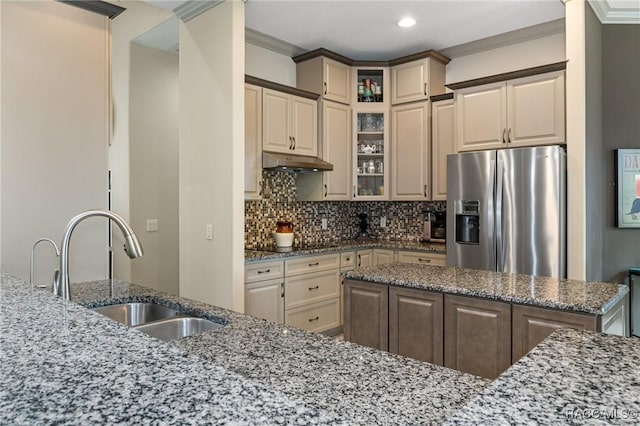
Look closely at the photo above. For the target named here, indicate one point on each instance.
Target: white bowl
(284, 239)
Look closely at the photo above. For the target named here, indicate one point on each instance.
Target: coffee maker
(434, 227)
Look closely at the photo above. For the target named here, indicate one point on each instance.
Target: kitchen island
(61, 362)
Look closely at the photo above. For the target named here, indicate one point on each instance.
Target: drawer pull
(314, 264)
(424, 260)
(266, 271)
(348, 259)
(314, 319)
(314, 288)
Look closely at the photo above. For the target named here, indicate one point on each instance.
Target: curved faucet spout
(132, 246)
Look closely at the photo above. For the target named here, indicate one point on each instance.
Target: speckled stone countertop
(62, 363)
(569, 295)
(572, 377)
(255, 255)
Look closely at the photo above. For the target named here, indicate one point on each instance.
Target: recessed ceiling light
(406, 22)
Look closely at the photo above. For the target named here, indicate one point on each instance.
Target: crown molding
(607, 13)
(192, 8)
(268, 42)
(506, 39)
(96, 6)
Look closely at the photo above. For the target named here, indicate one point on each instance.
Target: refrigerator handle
(499, 216)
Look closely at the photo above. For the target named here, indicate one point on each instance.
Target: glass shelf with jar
(370, 85)
(371, 161)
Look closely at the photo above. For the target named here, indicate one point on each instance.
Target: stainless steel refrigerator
(506, 210)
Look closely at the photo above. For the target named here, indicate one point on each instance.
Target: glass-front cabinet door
(371, 156)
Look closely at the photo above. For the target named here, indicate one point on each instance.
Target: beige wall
(211, 156)
(531, 53)
(137, 19)
(154, 165)
(54, 135)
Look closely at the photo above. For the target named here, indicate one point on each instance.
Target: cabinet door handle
(260, 184)
(354, 191)
(325, 87)
(290, 142)
(314, 264)
(509, 135)
(359, 261)
(294, 142)
(425, 190)
(314, 319)
(424, 260)
(425, 89)
(264, 271)
(314, 288)
(325, 189)
(282, 289)
(504, 138)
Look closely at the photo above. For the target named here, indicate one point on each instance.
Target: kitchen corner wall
(404, 218)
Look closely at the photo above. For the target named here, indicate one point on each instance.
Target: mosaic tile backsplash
(404, 218)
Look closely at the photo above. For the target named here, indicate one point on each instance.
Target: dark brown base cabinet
(477, 335)
(469, 334)
(532, 325)
(415, 324)
(366, 314)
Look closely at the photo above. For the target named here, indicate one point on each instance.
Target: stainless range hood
(293, 163)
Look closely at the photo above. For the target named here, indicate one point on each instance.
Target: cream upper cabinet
(252, 142)
(416, 80)
(327, 77)
(336, 149)
(526, 111)
(442, 144)
(535, 110)
(411, 152)
(289, 123)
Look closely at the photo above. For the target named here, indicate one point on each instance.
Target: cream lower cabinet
(364, 258)
(411, 152)
(312, 293)
(526, 111)
(289, 123)
(422, 258)
(383, 256)
(264, 290)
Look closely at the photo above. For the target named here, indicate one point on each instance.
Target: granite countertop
(253, 255)
(63, 363)
(572, 377)
(569, 295)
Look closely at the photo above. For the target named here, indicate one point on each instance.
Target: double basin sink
(156, 320)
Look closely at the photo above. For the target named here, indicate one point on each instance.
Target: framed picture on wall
(627, 166)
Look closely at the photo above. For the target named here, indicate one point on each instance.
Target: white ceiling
(367, 30)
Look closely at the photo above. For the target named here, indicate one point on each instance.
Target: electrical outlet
(152, 225)
(383, 222)
(325, 225)
(209, 231)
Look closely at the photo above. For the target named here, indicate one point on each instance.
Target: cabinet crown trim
(558, 66)
(433, 54)
(281, 87)
(443, 97)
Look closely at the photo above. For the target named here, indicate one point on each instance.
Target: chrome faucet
(31, 263)
(132, 246)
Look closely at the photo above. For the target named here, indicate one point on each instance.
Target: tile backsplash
(404, 218)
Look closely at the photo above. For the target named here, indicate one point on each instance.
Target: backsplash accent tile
(404, 218)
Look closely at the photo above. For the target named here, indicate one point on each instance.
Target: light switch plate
(325, 225)
(152, 225)
(383, 222)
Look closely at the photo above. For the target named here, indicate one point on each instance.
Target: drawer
(422, 258)
(304, 265)
(316, 318)
(261, 271)
(348, 259)
(310, 288)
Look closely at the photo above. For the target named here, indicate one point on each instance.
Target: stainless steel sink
(133, 314)
(178, 327)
